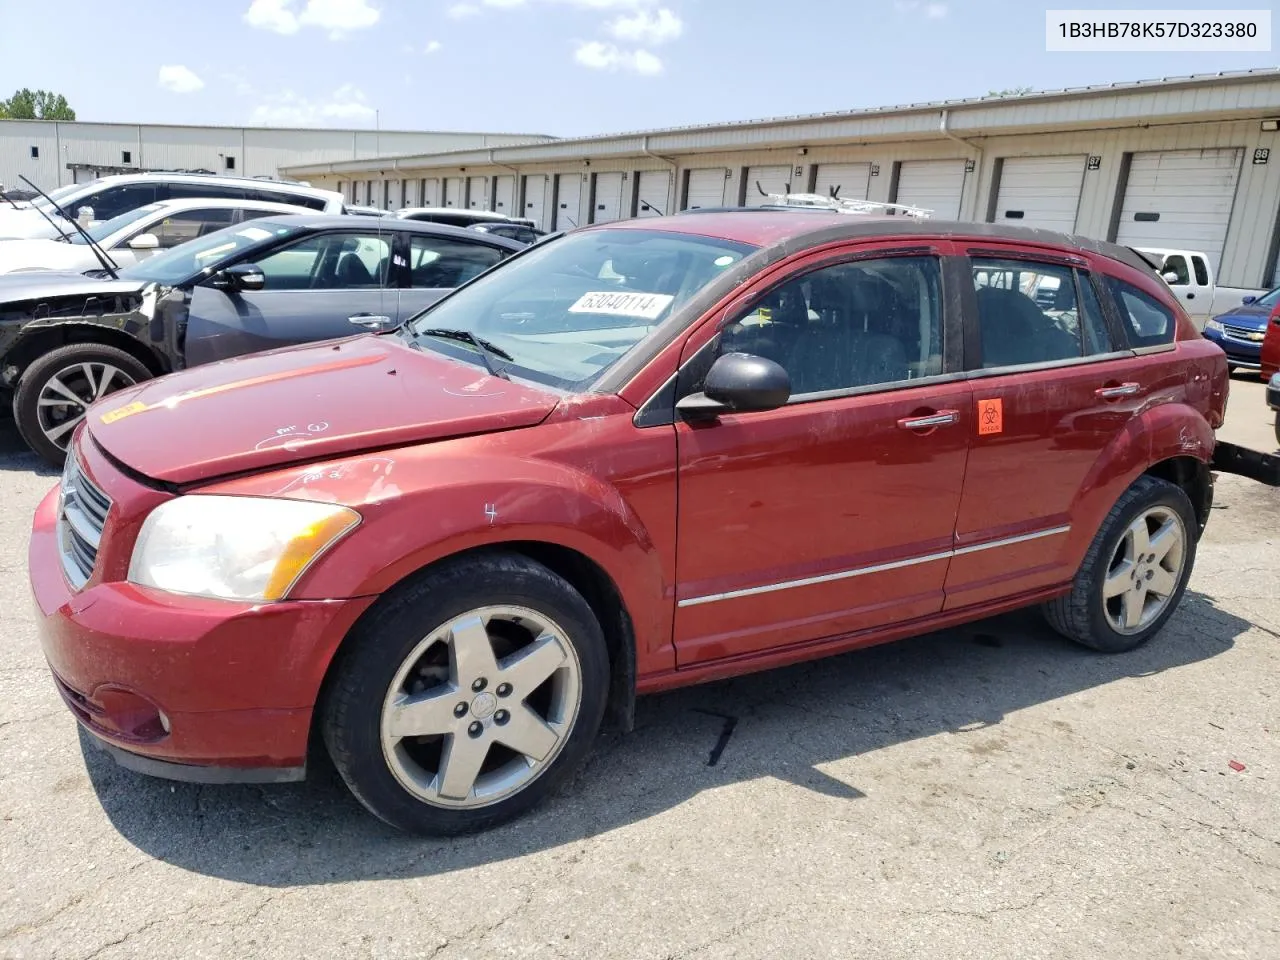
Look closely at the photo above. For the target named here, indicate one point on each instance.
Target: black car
(68, 339)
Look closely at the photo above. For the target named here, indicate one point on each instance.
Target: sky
(559, 67)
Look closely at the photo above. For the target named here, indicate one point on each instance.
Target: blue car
(1240, 332)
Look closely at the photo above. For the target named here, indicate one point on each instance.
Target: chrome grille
(1242, 333)
(81, 517)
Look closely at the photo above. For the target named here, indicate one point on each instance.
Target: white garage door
(768, 179)
(430, 192)
(478, 193)
(851, 179)
(453, 191)
(706, 188)
(535, 188)
(936, 185)
(504, 196)
(654, 187)
(1040, 192)
(608, 198)
(568, 201)
(1180, 198)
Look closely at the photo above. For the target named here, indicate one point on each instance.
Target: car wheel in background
(1134, 573)
(58, 388)
(467, 696)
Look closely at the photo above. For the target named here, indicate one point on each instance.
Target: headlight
(235, 548)
(1214, 325)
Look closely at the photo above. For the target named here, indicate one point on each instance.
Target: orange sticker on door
(990, 416)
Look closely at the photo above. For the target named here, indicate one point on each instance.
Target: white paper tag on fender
(642, 306)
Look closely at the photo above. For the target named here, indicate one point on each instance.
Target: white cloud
(931, 11)
(179, 79)
(607, 56)
(460, 11)
(346, 107)
(645, 27)
(338, 17)
(273, 15)
(432, 47)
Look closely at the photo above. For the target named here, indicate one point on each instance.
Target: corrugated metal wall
(1250, 236)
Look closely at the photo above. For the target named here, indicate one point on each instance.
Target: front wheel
(467, 697)
(1134, 573)
(57, 389)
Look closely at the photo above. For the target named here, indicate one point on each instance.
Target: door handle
(942, 418)
(1117, 391)
(1190, 295)
(369, 320)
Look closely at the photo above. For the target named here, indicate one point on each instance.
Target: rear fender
(1160, 433)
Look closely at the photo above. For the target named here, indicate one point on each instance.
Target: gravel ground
(988, 792)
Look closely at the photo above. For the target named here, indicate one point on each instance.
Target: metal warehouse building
(52, 153)
(1184, 162)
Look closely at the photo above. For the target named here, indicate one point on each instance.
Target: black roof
(346, 221)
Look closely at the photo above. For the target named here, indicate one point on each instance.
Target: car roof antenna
(109, 265)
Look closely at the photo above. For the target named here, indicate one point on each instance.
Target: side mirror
(239, 277)
(145, 241)
(738, 383)
(1170, 277)
(1248, 299)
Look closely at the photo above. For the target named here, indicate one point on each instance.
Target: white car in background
(109, 197)
(1190, 276)
(136, 235)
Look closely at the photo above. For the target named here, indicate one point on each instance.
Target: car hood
(304, 403)
(31, 284)
(44, 255)
(1250, 315)
(27, 224)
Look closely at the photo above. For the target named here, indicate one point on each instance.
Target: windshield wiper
(486, 349)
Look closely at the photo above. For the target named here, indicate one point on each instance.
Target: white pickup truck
(1190, 277)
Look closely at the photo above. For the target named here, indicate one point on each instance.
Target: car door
(318, 287)
(1190, 284)
(438, 264)
(835, 513)
(1053, 386)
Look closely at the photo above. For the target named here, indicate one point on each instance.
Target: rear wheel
(468, 697)
(1135, 571)
(58, 388)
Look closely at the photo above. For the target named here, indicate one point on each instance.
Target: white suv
(108, 197)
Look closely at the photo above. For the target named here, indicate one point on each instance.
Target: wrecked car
(67, 339)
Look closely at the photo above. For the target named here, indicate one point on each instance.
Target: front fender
(422, 505)
(1159, 433)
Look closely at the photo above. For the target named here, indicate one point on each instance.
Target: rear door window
(1202, 271)
(285, 196)
(1148, 322)
(1029, 312)
(436, 262)
(200, 191)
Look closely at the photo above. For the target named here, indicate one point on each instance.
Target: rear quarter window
(1147, 321)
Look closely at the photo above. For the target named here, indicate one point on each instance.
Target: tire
(1085, 615)
(1278, 428)
(47, 430)
(422, 641)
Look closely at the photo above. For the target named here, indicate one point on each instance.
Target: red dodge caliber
(636, 456)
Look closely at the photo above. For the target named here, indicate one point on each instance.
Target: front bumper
(185, 680)
(1240, 353)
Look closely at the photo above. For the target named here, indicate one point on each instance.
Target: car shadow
(783, 724)
(16, 456)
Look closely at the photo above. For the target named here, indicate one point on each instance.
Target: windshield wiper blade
(486, 349)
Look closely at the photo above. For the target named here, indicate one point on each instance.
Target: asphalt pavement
(989, 792)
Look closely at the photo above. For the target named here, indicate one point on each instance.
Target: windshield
(567, 311)
(1270, 299)
(183, 262)
(59, 195)
(101, 231)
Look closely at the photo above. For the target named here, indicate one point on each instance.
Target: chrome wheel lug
(501, 717)
(476, 728)
(479, 684)
(460, 710)
(504, 690)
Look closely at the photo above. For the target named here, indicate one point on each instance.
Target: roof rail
(840, 204)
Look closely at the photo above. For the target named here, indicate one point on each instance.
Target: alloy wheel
(66, 396)
(481, 707)
(1145, 570)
